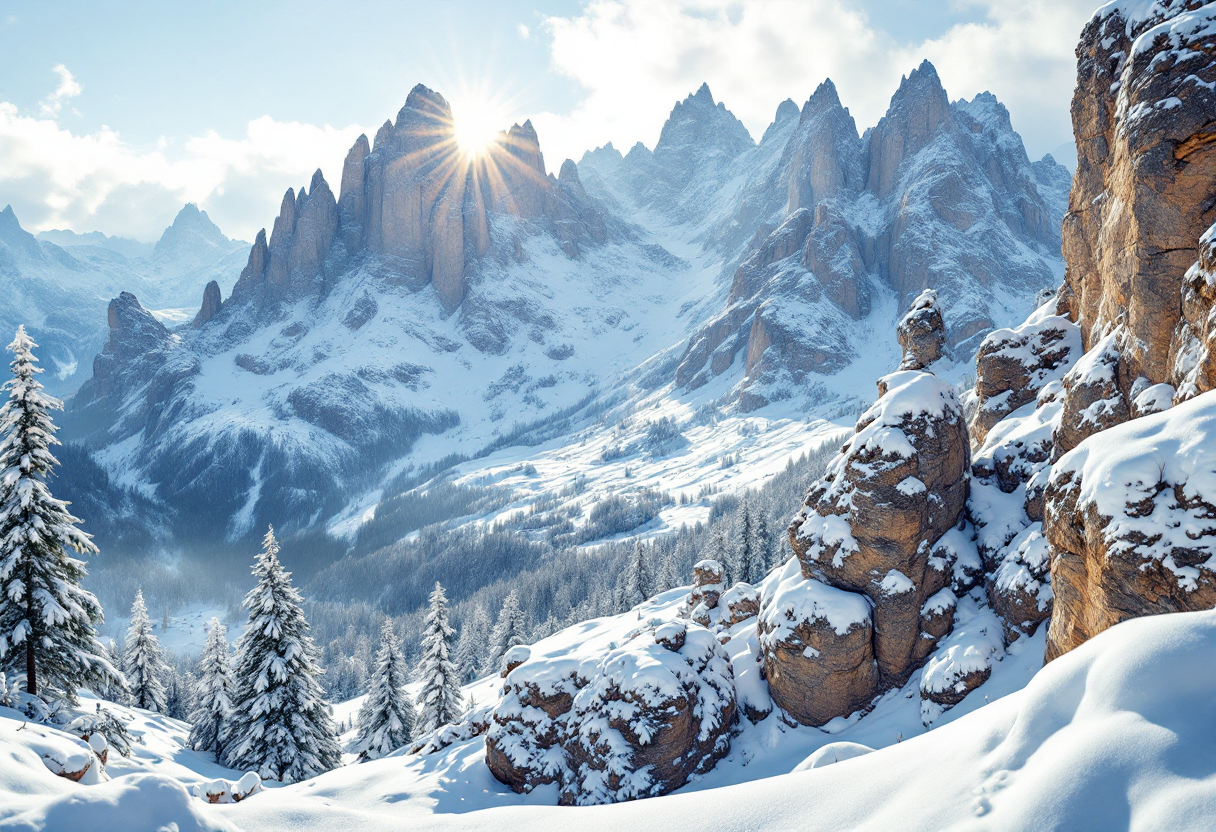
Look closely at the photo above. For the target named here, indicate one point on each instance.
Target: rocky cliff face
(1082, 484)
(1143, 192)
(881, 217)
(417, 206)
(1131, 516)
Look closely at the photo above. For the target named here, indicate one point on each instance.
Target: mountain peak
(191, 230)
(697, 126)
(424, 100)
(787, 109)
(919, 82)
(824, 98)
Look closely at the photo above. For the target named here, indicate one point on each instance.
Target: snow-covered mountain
(937, 195)
(440, 305)
(59, 283)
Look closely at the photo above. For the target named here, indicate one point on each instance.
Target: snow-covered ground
(1116, 734)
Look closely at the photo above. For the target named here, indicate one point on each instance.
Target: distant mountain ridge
(936, 195)
(60, 292)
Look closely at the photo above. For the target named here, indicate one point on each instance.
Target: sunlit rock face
(419, 204)
(1091, 494)
(1145, 186)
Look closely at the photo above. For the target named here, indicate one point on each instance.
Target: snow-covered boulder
(637, 721)
(817, 644)
(922, 335)
(872, 525)
(1094, 398)
(63, 754)
(964, 659)
(707, 578)
(1019, 589)
(514, 657)
(227, 791)
(1013, 365)
(739, 603)
(1131, 518)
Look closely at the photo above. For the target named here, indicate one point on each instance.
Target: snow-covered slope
(1113, 735)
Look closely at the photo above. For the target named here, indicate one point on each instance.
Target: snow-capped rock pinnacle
(824, 98)
(918, 109)
(425, 101)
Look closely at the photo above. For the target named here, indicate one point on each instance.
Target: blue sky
(112, 115)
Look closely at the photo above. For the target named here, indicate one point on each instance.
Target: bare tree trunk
(31, 675)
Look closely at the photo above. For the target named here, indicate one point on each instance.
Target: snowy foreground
(1116, 734)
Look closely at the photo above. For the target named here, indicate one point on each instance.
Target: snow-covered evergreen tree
(282, 726)
(387, 718)
(114, 687)
(47, 621)
(142, 662)
(745, 564)
(440, 701)
(508, 632)
(764, 543)
(177, 694)
(719, 549)
(214, 690)
(472, 653)
(639, 585)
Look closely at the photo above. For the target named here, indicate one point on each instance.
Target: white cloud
(524, 31)
(636, 58)
(57, 178)
(68, 88)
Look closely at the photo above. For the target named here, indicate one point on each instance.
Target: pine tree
(282, 727)
(113, 688)
(214, 690)
(638, 584)
(142, 662)
(177, 695)
(669, 571)
(508, 632)
(745, 567)
(764, 543)
(387, 718)
(47, 621)
(719, 550)
(471, 653)
(440, 701)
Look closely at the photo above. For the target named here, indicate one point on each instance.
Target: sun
(477, 125)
